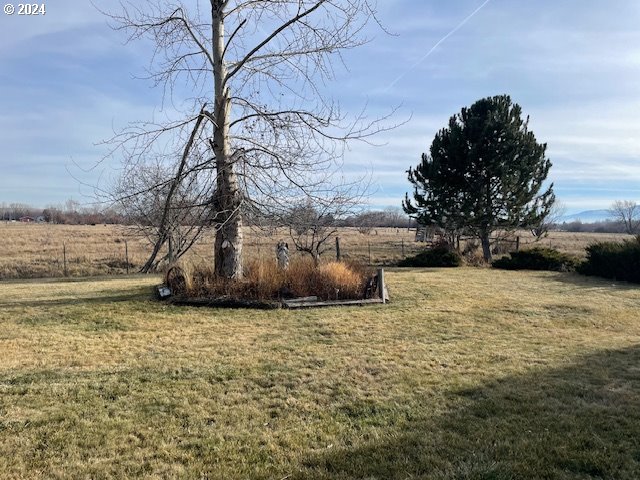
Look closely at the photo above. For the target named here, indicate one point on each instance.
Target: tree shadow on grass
(99, 297)
(85, 279)
(578, 422)
(589, 282)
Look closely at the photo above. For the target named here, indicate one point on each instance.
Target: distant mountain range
(588, 216)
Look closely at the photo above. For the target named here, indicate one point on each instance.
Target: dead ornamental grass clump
(339, 280)
(264, 281)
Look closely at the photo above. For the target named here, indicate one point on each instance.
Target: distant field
(572, 242)
(36, 250)
(469, 373)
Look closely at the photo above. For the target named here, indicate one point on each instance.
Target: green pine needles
(484, 172)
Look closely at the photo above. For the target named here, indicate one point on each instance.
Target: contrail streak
(424, 57)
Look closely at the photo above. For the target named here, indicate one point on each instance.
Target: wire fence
(374, 252)
(75, 252)
(83, 253)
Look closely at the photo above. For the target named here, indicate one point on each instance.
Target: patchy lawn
(468, 373)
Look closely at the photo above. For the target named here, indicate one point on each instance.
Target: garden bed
(373, 292)
(269, 305)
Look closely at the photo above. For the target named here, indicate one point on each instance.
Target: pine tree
(484, 173)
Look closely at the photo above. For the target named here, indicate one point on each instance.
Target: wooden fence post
(64, 258)
(369, 242)
(126, 255)
(403, 248)
(381, 285)
(338, 248)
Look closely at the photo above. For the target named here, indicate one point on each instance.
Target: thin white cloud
(438, 43)
(573, 66)
(61, 15)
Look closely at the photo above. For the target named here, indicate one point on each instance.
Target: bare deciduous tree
(546, 222)
(245, 80)
(627, 213)
(169, 213)
(366, 221)
(312, 224)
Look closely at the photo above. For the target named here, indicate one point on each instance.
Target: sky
(68, 81)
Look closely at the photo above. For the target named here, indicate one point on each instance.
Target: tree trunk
(486, 246)
(170, 248)
(229, 239)
(151, 264)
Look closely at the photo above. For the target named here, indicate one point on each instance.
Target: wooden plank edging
(331, 303)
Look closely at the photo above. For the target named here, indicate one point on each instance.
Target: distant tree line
(624, 218)
(368, 220)
(73, 212)
(604, 226)
(69, 213)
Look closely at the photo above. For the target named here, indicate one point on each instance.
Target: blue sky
(67, 81)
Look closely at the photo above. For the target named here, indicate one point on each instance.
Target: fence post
(126, 255)
(369, 242)
(403, 248)
(338, 248)
(381, 285)
(64, 258)
(518, 243)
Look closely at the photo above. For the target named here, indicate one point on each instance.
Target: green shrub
(619, 261)
(538, 258)
(439, 256)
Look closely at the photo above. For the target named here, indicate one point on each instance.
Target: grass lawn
(468, 373)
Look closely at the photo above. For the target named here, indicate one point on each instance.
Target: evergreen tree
(484, 173)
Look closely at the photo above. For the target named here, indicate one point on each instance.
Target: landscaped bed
(302, 284)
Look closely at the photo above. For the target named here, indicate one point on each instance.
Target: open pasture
(37, 250)
(468, 373)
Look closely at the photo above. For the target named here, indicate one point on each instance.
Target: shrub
(538, 258)
(439, 256)
(619, 261)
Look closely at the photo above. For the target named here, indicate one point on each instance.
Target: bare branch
(270, 37)
(265, 131)
(627, 213)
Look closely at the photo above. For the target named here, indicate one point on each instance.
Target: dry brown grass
(36, 250)
(467, 373)
(338, 277)
(263, 280)
(570, 242)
